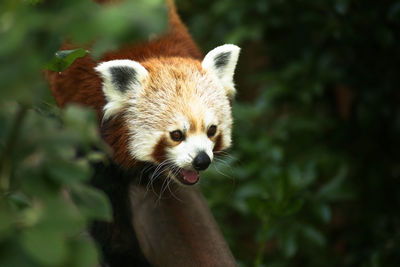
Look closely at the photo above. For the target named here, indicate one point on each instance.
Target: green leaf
(64, 58)
(69, 172)
(45, 246)
(13, 255)
(313, 235)
(293, 207)
(323, 212)
(287, 243)
(82, 253)
(19, 201)
(6, 219)
(334, 190)
(91, 202)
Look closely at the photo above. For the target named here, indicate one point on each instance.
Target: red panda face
(177, 110)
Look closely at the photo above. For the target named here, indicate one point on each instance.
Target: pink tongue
(190, 176)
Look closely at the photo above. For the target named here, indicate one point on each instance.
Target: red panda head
(177, 111)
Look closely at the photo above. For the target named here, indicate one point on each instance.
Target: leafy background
(313, 176)
(314, 171)
(46, 152)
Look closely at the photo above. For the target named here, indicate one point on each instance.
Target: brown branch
(178, 230)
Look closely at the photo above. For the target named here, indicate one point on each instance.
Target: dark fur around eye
(211, 131)
(176, 135)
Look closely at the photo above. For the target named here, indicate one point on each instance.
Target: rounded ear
(222, 62)
(120, 77)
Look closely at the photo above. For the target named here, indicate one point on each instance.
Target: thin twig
(5, 161)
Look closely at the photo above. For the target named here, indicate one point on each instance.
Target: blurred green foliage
(313, 176)
(46, 154)
(314, 170)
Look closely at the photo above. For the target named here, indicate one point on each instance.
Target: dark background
(315, 164)
(313, 176)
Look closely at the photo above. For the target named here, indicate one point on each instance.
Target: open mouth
(179, 175)
(187, 177)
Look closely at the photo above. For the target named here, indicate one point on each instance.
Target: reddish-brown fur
(81, 84)
(218, 144)
(159, 150)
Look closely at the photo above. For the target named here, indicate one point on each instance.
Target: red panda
(159, 102)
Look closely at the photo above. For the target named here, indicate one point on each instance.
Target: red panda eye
(176, 135)
(211, 131)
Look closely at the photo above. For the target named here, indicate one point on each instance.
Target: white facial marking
(144, 144)
(221, 61)
(186, 151)
(210, 119)
(121, 79)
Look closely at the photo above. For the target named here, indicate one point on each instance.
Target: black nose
(201, 161)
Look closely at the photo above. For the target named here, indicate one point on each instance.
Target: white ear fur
(120, 77)
(222, 62)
